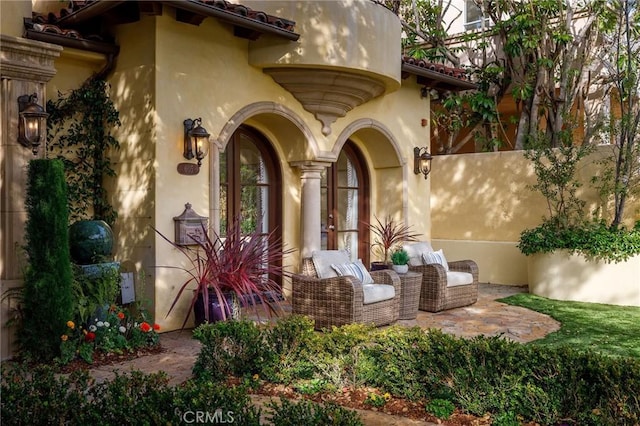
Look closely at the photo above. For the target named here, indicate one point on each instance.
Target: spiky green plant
(389, 234)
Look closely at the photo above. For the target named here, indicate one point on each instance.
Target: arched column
(310, 220)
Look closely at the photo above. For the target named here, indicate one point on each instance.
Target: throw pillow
(435, 257)
(355, 269)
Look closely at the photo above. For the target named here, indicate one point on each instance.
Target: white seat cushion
(377, 292)
(416, 250)
(355, 269)
(323, 259)
(455, 278)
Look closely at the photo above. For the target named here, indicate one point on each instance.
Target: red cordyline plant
(242, 265)
(390, 233)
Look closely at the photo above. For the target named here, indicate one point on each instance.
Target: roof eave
(451, 82)
(89, 11)
(97, 8)
(81, 44)
(196, 6)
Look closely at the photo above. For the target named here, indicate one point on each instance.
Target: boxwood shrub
(41, 397)
(593, 240)
(479, 375)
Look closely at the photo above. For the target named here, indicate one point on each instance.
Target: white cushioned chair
(333, 291)
(445, 285)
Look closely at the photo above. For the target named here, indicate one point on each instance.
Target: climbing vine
(79, 130)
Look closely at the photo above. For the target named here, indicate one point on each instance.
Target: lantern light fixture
(196, 140)
(30, 121)
(421, 161)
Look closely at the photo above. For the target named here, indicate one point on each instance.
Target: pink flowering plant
(120, 330)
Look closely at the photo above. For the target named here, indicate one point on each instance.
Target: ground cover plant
(511, 381)
(607, 329)
(41, 397)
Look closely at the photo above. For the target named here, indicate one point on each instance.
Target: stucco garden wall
(481, 203)
(564, 276)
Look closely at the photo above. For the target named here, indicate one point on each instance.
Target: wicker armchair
(340, 300)
(436, 295)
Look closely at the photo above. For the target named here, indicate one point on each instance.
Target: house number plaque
(188, 169)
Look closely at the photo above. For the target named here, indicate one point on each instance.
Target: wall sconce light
(30, 121)
(196, 140)
(421, 161)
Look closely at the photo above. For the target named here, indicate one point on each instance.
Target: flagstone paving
(490, 318)
(486, 317)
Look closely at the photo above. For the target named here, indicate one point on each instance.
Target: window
(344, 204)
(473, 16)
(251, 186)
(249, 183)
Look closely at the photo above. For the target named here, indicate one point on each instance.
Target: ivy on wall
(79, 130)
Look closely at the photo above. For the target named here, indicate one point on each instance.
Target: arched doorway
(251, 184)
(345, 204)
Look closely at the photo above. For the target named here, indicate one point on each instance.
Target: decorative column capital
(310, 169)
(25, 59)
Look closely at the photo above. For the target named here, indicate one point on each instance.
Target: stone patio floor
(487, 317)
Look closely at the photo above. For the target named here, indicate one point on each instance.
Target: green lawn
(608, 329)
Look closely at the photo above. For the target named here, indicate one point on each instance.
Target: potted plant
(400, 261)
(231, 270)
(387, 235)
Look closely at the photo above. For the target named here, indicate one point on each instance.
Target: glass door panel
(250, 185)
(343, 204)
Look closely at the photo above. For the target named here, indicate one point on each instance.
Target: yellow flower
(256, 377)
(64, 337)
(71, 325)
(387, 396)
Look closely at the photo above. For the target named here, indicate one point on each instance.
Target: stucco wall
(11, 14)
(355, 35)
(481, 203)
(133, 193)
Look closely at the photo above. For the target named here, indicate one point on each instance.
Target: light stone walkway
(487, 317)
(490, 318)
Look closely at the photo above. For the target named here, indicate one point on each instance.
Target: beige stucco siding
(359, 36)
(134, 192)
(482, 202)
